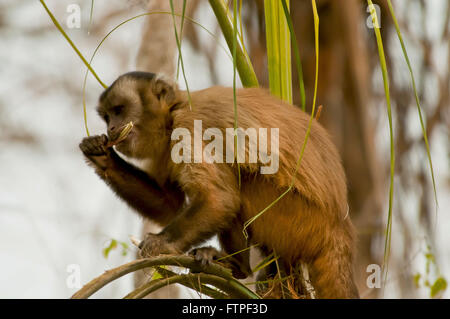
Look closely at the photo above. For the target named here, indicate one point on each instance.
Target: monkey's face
(131, 98)
(117, 108)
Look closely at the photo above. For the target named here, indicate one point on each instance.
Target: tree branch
(221, 278)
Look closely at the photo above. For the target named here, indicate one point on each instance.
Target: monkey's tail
(332, 270)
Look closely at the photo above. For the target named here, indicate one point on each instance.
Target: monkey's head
(146, 101)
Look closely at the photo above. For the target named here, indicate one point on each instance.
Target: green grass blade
(424, 131)
(285, 55)
(58, 26)
(387, 245)
(235, 35)
(237, 252)
(177, 39)
(251, 220)
(316, 82)
(241, 29)
(265, 262)
(181, 35)
(91, 14)
(316, 41)
(273, 45)
(298, 61)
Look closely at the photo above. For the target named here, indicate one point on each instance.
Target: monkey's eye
(117, 109)
(106, 118)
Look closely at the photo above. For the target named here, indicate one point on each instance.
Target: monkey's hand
(96, 152)
(154, 245)
(206, 255)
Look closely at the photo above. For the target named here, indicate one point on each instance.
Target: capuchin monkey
(203, 195)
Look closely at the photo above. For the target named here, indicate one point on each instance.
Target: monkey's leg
(332, 273)
(233, 241)
(134, 186)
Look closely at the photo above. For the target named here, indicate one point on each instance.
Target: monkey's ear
(164, 92)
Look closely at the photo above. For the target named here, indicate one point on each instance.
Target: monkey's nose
(112, 133)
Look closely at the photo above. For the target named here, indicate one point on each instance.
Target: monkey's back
(320, 178)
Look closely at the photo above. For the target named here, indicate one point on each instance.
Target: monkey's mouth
(123, 141)
(123, 135)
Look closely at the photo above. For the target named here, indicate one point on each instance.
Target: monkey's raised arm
(134, 186)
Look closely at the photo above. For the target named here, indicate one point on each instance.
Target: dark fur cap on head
(135, 75)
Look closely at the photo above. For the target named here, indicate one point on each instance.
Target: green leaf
(416, 95)
(124, 248)
(157, 274)
(112, 245)
(439, 285)
(430, 257)
(416, 279)
(278, 50)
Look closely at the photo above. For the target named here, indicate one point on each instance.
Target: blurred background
(55, 212)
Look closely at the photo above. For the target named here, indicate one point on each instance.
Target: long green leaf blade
(243, 63)
(177, 39)
(298, 61)
(416, 95)
(387, 245)
(58, 26)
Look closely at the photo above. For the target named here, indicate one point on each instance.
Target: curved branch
(167, 260)
(198, 286)
(192, 281)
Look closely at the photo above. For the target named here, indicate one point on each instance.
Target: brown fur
(308, 224)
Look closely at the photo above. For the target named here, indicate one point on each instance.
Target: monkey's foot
(206, 255)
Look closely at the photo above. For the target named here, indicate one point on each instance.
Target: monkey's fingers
(94, 145)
